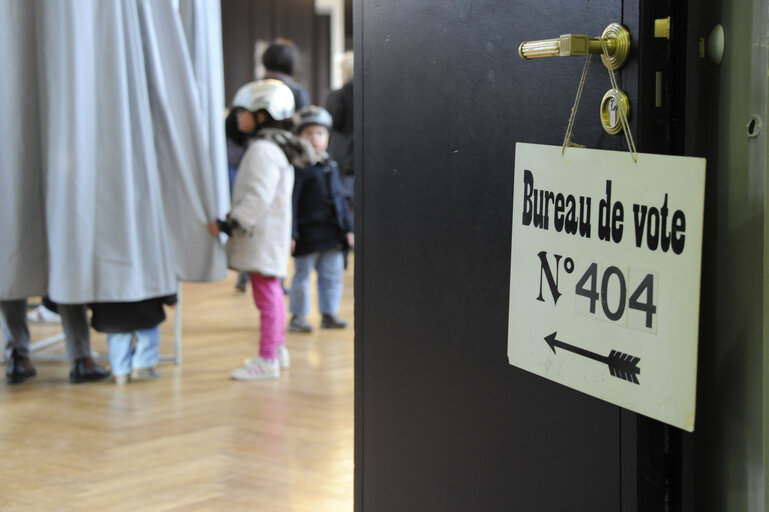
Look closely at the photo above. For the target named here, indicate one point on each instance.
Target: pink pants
(268, 297)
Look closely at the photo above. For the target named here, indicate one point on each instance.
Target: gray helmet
(312, 115)
(271, 95)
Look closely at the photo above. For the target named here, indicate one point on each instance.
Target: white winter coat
(261, 205)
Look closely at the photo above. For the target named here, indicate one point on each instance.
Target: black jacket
(340, 147)
(321, 218)
(301, 98)
(114, 317)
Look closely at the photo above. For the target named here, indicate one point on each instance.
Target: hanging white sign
(605, 275)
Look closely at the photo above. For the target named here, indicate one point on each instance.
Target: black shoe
(299, 323)
(332, 322)
(19, 369)
(80, 373)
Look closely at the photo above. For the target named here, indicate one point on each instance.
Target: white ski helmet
(312, 115)
(271, 95)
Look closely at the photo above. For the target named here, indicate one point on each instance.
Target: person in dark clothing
(77, 336)
(322, 228)
(279, 60)
(16, 332)
(339, 104)
(124, 321)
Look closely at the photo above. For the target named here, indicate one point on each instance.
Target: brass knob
(615, 37)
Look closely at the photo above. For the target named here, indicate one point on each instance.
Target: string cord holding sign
(622, 112)
(575, 107)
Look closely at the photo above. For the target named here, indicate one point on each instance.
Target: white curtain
(23, 245)
(116, 150)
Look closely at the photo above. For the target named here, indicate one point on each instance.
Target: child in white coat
(259, 224)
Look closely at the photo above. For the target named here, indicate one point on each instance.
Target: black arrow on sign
(623, 366)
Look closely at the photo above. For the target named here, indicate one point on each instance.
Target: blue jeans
(330, 267)
(123, 357)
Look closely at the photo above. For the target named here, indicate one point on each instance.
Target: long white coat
(261, 205)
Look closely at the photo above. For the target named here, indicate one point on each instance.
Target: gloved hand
(225, 226)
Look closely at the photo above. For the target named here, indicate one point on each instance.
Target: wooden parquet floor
(194, 439)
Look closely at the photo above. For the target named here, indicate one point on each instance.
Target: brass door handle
(615, 36)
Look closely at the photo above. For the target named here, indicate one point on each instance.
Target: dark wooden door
(443, 422)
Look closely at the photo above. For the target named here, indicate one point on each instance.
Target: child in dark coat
(124, 321)
(322, 227)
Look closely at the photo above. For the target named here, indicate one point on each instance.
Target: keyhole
(613, 112)
(615, 109)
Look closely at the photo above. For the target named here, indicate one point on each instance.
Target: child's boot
(299, 323)
(332, 322)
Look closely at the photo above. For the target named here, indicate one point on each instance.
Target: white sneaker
(256, 369)
(284, 360)
(43, 315)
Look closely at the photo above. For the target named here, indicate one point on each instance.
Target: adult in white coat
(259, 223)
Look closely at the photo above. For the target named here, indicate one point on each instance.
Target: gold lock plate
(614, 102)
(662, 28)
(621, 38)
